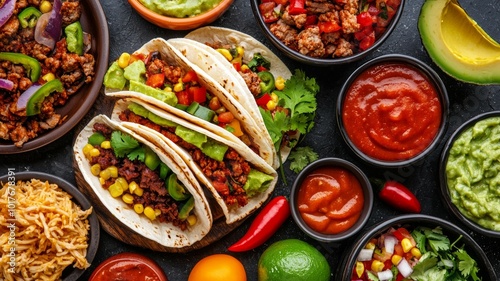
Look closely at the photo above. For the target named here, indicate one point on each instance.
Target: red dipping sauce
(128, 267)
(391, 112)
(330, 200)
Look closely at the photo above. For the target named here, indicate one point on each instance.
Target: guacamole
(180, 8)
(473, 173)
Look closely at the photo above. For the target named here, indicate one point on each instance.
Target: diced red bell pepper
(190, 76)
(156, 80)
(311, 20)
(282, 2)
(198, 94)
(328, 26)
(401, 233)
(237, 66)
(263, 100)
(297, 7)
(261, 68)
(183, 97)
(364, 19)
(225, 117)
(367, 42)
(267, 12)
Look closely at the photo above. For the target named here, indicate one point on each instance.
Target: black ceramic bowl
(365, 186)
(445, 191)
(322, 61)
(453, 232)
(431, 76)
(70, 273)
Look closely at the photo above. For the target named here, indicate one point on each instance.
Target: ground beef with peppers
(328, 28)
(228, 177)
(71, 69)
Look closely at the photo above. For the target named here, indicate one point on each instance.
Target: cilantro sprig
(125, 145)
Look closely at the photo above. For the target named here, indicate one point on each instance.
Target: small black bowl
(322, 61)
(445, 192)
(365, 186)
(453, 232)
(433, 78)
(70, 273)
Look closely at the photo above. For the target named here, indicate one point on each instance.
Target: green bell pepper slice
(35, 102)
(186, 208)
(175, 189)
(28, 17)
(31, 65)
(74, 38)
(267, 84)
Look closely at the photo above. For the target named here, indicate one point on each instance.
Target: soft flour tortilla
(174, 57)
(162, 233)
(194, 48)
(232, 213)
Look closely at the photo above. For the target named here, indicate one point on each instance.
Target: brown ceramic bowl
(94, 22)
(181, 23)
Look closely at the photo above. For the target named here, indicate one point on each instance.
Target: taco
(147, 188)
(237, 178)
(158, 74)
(282, 102)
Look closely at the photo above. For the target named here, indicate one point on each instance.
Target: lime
(293, 260)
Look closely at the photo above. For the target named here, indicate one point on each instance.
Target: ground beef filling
(155, 192)
(228, 177)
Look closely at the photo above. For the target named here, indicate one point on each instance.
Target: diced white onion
(404, 268)
(447, 263)
(385, 275)
(365, 254)
(389, 242)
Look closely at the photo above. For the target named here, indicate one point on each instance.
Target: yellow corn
(179, 86)
(124, 60)
(244, 68)
(122, 182)
(370, 245)
(237, 60)
(406, 244)
(377, 266)
(86, 150)
(128, 198)
(168, 89)
(271, 105)
(157, 212)
(49, 77)
(106, 144)
(45, 7)
(396, 259)
(279, 83)
(105, 174)
(115, 190)
(149, 213)
(274, 97)
(138, 191)
(102, 181)
(360, 268)
(226, 54)
(240, 51)
(95, 169)
(138, 208)
(416, 252)
(191, 219)
(113, 171)
(94, 152)
(132, 186)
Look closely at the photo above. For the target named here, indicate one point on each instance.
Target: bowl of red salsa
(392, 111)
(331, 199)
(326, 33)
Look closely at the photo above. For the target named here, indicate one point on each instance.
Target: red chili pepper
(400, 197)
(265, 224)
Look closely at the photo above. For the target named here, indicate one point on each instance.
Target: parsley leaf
(466, 264)
(301, 157)
(122, 143)
(275, 124)
(138, 153)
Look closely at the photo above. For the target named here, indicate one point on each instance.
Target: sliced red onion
(48, 28)
(389, 243)
(6, 84)
(365, 254)
(23, 99)
(6, 11)
(385, 275)
(404, 268)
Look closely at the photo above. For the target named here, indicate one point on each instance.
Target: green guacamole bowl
(469, 172)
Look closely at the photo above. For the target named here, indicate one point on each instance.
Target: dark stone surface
(128, 31)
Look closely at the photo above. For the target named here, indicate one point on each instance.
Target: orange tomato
(218, 267)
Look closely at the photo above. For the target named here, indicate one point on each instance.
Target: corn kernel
(226, 53)
(416, 252)
(124, 60)
(138, 191)
(139, 208)
(179, 86)
(237, 60)
(360, 268)
(244, 68)
(122, 182)
(106, 144)
(271, 105)
(240, 51)
(115, 190)
(94, 152)
(377, 266)
(396, 259)
(132, 186)
(274, 97)
(86, 150)
(370, 245)
(105, 174)
(102, 181)
(149, 213)
(45, 7)
(49, 77)
(157, 212)
(279, 83)
(192, 219)
(406, 244)
(113, 171)
(168, 89)
(128, 198)
(95, 169)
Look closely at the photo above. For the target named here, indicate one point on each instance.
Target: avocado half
(457, 44)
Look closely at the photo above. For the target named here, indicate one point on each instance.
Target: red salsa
(391, 112)
(330, 200)
(128, 267)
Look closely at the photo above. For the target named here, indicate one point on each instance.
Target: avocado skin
(429, 26)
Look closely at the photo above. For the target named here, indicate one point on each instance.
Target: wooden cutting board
(122, 232)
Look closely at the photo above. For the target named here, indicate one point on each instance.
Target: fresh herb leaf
(138, 153)
(467, 265)
(258, 60)
(122, 143)
(300, 157)
(275, 125)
